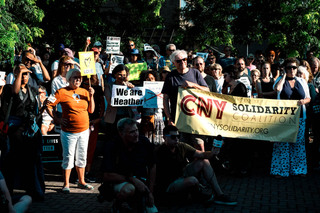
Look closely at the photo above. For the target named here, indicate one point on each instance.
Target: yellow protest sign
(87, 63)
(207, 113)
(135, 70)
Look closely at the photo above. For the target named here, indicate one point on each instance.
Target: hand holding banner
(206, 113)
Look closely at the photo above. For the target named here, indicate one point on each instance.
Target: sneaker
(224, 200)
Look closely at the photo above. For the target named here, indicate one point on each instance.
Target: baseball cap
(97, 44)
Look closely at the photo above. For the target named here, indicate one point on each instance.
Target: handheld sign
(2, 76)
(113, 45)
(123, 96)
(153, 97)
(115, 60)
(135, 70)
(203, 55)
(87, 63)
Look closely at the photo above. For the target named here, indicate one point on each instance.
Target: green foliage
(18, 25)
(97, 19)
(289, 25)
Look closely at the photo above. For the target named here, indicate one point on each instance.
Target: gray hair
(169, 45)
(122, 123)
(303, 69)
(178, 52)
(70, 72)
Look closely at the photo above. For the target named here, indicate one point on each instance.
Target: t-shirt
(117, 159)
(211, 83)
(74, 103)
(224, 62)
(170, 165)
(174, 80)
(56, 84)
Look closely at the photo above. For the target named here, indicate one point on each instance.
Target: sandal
(85, 186)
(65, 190)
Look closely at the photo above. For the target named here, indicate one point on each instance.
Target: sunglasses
(173, 137)
(171, 50)
(181, 60)
(67, 65)
(199, 64)
(291, 67)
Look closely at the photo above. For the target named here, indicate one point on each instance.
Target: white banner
(153, 97)
(113, 45)
(124, 96)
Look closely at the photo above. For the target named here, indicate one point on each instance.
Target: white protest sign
(203, 55)
(123, 96)
(153, 97)
(113, 45)
(114, 61)
(2, 76)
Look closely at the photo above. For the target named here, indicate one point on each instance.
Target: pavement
(255, 192)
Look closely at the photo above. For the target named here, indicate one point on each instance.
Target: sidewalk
(256, 193)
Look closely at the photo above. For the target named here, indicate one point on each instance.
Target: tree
(207, 22)
(19, 25)
(70, 22)
(289, 25)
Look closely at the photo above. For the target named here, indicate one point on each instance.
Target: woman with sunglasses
(290, 158)
(76, 103)
(114, 114)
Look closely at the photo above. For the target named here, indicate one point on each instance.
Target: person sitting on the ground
(129, 164)
(8, 204)
(175, 174)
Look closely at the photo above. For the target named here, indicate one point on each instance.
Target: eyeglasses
(131, 45)
(291, 67)
(199, 64)
(173, 137)
(181, 60)
(171, 50)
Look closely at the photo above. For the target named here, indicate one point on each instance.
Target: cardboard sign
(113, 45)
(87, 63)
(123, 96)
(135, 70)
(206, 113)
(115, 60)
(2, 78)
(203, 55)
(153, 97)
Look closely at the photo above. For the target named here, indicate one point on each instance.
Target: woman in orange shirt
(76, 102)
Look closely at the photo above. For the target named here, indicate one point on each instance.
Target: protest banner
(115, 60)
(153, 97)
(87, 63)
(203, 55)
(123, 96)
(113, 45)
(2, 78)
(135, 70)
(206, 113)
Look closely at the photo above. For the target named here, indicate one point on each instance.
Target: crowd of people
(145, 155)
